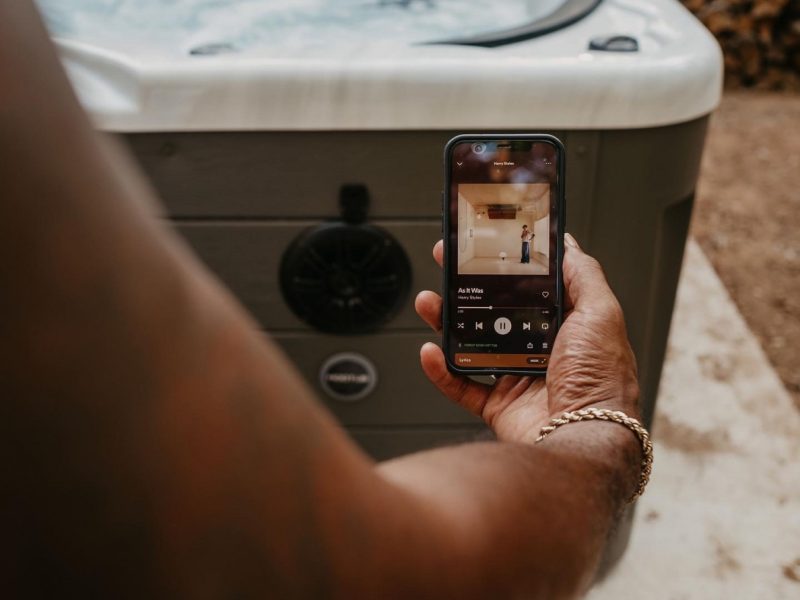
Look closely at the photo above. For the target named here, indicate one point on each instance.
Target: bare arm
(153, 440)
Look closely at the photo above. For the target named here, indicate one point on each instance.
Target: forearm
(533, 519)
(149, 430)
(152, 438)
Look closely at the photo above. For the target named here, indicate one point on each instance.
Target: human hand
(592, 363)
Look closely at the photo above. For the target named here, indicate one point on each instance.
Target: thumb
(585, 283)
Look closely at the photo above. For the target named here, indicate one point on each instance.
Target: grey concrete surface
(721, 517)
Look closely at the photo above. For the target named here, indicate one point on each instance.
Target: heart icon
(545, 294)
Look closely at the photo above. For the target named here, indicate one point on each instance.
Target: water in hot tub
(280, 27)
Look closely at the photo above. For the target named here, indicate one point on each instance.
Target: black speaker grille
(346, 279)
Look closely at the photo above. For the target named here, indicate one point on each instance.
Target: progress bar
(546, 307)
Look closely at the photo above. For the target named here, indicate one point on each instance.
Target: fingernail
(570, 241)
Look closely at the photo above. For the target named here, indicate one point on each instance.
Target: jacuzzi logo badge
(348, 376)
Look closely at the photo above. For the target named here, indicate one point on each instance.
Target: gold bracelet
(589, 414)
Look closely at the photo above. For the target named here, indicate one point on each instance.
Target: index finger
(438, 252)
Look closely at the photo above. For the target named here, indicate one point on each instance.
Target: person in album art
(527, 238)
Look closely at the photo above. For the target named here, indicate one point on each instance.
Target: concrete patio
(721, 517)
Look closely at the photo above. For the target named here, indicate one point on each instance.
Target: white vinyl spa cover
(209, 65)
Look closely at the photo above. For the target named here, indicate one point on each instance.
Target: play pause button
(502, 326)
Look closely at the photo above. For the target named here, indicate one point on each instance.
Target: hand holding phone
(592, 363)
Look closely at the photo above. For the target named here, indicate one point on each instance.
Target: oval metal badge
(348, 376)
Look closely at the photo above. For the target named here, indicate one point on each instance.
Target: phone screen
(503, 224)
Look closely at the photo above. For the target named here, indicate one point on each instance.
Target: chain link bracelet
(604, 414)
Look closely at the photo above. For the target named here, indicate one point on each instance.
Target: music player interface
(503, 213)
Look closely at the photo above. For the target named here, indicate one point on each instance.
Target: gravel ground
(747, 218)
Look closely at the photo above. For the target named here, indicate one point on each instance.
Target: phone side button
(441, 215)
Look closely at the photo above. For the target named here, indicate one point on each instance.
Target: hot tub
(298, 150)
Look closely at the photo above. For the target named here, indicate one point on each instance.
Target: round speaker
(346, 279)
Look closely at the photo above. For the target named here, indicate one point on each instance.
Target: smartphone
(503, 226)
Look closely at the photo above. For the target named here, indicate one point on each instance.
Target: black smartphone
(503, 216)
